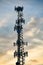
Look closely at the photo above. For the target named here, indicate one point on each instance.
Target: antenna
(20, 43)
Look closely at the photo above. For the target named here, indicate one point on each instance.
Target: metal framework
(20, 43)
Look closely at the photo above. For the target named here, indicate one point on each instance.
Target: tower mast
(20, 43)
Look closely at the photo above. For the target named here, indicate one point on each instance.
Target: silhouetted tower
(20, 43)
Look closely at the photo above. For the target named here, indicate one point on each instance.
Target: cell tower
(20, 43)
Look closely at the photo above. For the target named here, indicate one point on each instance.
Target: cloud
(35, 25)
(34, 57)
(4, 21)
(6, 44)
(33, 34)
(37, 40)
(29, 34)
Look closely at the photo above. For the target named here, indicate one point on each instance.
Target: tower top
(18, 9)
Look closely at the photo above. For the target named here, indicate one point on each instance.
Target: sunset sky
(32, 32)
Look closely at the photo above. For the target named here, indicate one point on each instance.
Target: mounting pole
(20, 43)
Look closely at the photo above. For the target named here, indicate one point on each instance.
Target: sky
(32, 31)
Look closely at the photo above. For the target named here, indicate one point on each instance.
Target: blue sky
(32, 32)
(32, 8)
